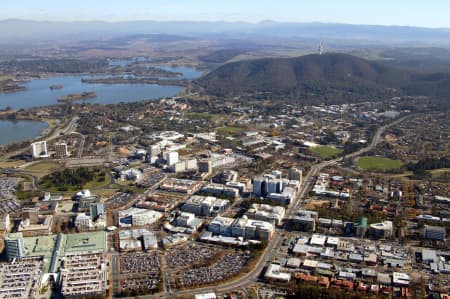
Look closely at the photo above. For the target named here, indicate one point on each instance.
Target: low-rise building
(188, 220)
(274, 273)
(85, 222)
(220, 190)
(206, 296)
(221, 225)
(36, 228)
(131, 174)
(381, 230)
(272, 214)
(305, 220)
(293, 262)
(173, 240)
(5, 222)
(182, 186)
(434, 233)
(242, 227)
(137, 239)
(400, 279)
(318, 240)
(138, 217)
(205, 205)
(442, 200)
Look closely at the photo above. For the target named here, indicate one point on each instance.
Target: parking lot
(118, 200)
(140, 272)
(20, 279)
(140, 262)
(8, 186)
(151, 179)
(191, 255)
(231, 264)
(9, 206)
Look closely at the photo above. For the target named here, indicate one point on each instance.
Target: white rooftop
(332, 241)
(206, 296)
(318, 240)
(400, 278)
(273, 272)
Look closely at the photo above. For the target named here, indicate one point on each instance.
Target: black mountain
(330, 77)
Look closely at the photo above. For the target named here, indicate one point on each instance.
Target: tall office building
(171, 158)
(154, 150)
(39, 149)
(14, 246)
(295, 174)
(267, 184)
(96, 209)
(205, 166)
(61, 150)
(260, 186)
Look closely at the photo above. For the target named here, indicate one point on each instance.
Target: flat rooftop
(39, 246)
(88, 241)
(48, 247)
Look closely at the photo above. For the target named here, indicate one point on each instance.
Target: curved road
(57, 131)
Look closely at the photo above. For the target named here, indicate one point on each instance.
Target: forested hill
(329, 77)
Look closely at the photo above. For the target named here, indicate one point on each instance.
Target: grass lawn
(378, 163)
(43, 167)
(53, 183)
(441, 173)
(325, 152)
(97, 183)
(231, 130)
(105, 192)
(11, 164)
(126, 187)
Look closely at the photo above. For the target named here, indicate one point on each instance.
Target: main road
(70, 126)
(249, 278)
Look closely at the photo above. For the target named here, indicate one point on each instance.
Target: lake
(38, 91)
(188, 73)
(39, 94)
(17, 131)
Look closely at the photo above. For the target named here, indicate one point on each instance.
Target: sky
(420, 13)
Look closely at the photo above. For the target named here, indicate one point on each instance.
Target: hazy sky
(426, 13)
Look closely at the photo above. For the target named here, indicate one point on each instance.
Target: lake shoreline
(22, 130)
(109, 90)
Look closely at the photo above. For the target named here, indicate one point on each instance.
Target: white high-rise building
(171, 158)
(39, 149)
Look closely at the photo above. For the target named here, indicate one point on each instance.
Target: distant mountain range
(19, 31)
(330, 77)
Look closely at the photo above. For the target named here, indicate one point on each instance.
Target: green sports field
(378, 163)
(325, 152)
